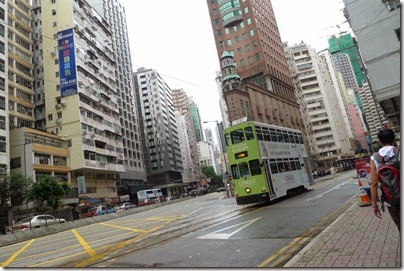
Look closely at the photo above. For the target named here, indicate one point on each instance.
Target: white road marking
(334, 188)
(218, 235)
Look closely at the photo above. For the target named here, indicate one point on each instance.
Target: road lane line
(122, 228)
(9, 260)
(84, 244)
(322, 194)
(279, 252)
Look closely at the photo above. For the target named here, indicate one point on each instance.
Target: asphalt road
(206, 231)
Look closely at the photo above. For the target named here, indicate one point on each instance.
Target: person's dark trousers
(395, 215)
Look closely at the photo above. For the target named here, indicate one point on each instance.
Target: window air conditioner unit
(58, 106)
(59, 120)
(53, 53)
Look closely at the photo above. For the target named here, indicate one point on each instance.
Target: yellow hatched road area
(88, 243)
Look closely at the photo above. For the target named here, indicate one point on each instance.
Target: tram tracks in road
(282, 256)
(177, 229)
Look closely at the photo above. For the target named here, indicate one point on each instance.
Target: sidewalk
(356, 239)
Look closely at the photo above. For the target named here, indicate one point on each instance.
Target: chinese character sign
(67, 63)
(81, 184)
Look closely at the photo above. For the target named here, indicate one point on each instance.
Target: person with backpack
(385, 173)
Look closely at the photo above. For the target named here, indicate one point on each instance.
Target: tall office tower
(346, 44)
(196, 120)
(5, 55)
(325, 126)
(189, 149)
(379, 41)
(160, 139)
(247, 29)
(373, 113)
(77, 82)
(115, 15)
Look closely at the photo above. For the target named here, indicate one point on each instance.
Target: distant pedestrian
(387, 154)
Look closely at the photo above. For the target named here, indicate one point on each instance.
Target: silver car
(38, 221)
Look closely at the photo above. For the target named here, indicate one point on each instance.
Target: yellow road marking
(279, 252)
(84, 244)
(281, 259)
(122, 244)
(9, 260)
(123, 228)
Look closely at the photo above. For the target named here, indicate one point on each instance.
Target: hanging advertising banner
(67, 63)
(362, 167)
(81, 185)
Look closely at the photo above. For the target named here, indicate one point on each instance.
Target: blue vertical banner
(67, 63)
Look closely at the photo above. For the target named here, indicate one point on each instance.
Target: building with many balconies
(77, 83)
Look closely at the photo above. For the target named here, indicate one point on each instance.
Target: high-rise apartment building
(115, 15)
(189, 150)
(75, 77)
(5, 88)
(351, 101)
(326, 129)
(160, 139)
(376, 25)
(248, 31)
(19, 62)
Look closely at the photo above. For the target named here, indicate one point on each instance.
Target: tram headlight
(264, 190)
(248, 190)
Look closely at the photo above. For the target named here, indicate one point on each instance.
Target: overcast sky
(175, 38)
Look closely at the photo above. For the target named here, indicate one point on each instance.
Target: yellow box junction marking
(11, 259)
(84, 244)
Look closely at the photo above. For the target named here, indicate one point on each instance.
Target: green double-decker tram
(266, 161)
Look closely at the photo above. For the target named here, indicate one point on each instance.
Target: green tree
(216, 180)
(48, 188)
(14, 188)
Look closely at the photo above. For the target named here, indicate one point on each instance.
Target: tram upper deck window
(285, 136)
(274, 138)
(279, 135)
(249, 134)
(291, 138)
(237, 136)
(300, 139)
(266, 135)
(259, 133)
(227, 139)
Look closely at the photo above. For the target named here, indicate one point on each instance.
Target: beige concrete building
(35, 153)
(78, 86)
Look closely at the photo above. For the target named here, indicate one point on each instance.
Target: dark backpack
(389, 178)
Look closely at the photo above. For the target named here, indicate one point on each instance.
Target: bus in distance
(266, 161)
